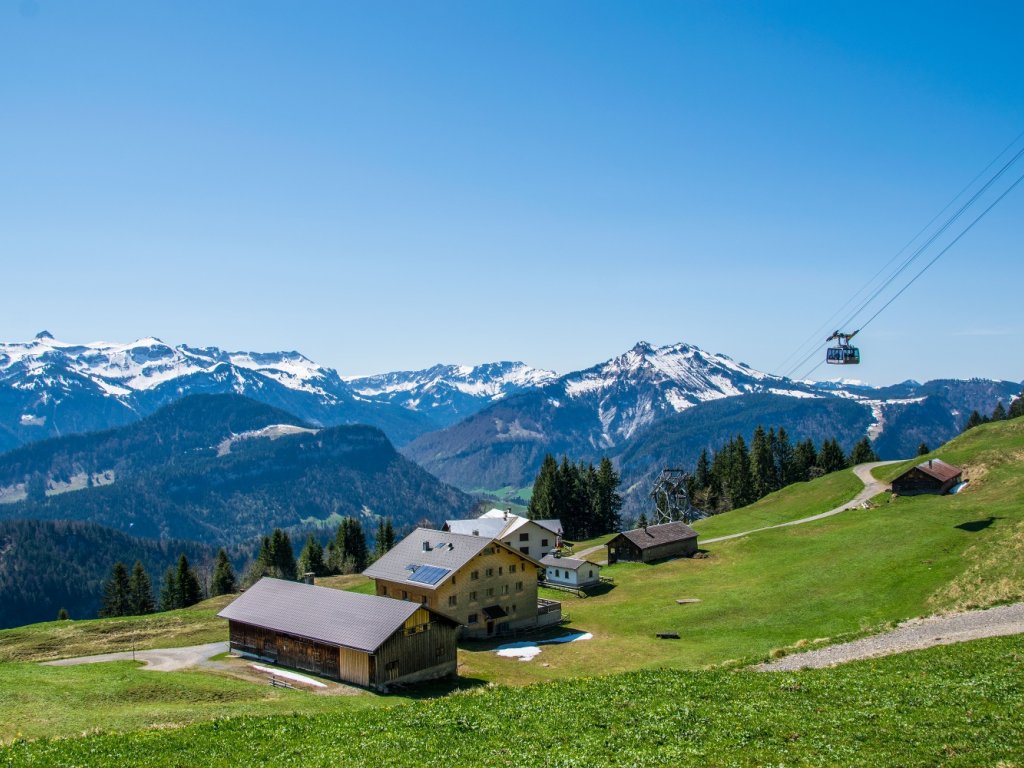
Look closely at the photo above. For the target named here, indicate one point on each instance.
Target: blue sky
(387, 185)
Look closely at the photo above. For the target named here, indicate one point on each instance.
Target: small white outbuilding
(570, 572)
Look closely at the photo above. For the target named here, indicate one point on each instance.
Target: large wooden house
(654, 542)
(482, 584)
(932, 476)
(361, 639)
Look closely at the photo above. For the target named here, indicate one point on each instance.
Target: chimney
(309, 577)
(426, 546)
(507, 510)
(929, 463)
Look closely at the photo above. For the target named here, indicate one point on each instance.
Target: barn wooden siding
(286, 650)
(420, 645)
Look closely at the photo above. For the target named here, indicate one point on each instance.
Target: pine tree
(385, 538)
(863, 452)
(276, 558)
(188, 583)
(782, 452)
(999, 413)
(831, 457)
(973, 420)
(1016, 407)
(116, 593)
(350, 541)
(223, 582)
(923, 449)
(804, 458)
(141, 591)
(170, 594)
(762, 464)
(608, 500)
(641, 522)
(542, 501)
(311, 559)
(738, 483)
(62, 615)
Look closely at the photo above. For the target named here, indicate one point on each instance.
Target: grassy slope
(953, 705)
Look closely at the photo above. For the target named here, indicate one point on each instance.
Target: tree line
(584, 497)
(131, 594)
(735, 476)
(999, 413)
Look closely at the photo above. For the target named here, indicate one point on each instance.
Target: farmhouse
(569, 572)
(361, 639)
(932, 476)
(655, 542)
(484, 585)
(534, 538)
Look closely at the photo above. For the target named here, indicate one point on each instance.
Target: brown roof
(656, 535)
(939, 469)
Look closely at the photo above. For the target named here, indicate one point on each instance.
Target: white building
(570, 572)
(534, 538)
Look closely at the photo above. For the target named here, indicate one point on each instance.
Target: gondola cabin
(843, 353)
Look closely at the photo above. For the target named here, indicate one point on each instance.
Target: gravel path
(162, 660)
(871, 488)
(911, 635)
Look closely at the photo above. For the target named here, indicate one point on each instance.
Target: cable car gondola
(843, 353)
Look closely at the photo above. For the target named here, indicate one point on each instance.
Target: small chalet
(482, 584)
(570, 572)
(655, 542)
(932, 476)
(361, 639)
(534, 538)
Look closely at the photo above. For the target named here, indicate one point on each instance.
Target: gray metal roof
(555, 526)
(491, 528)
(655, 535)
(569, 563)
(330, 616)
(938, 469)
(446, 550)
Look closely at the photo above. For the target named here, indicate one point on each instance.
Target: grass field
(760, 595)
(952, 706)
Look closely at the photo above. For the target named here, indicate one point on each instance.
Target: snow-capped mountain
(674, 400)
(50, 387)
(450, 389)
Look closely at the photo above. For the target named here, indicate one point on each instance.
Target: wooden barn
(932, 476)
(655, 542)
(362, 639)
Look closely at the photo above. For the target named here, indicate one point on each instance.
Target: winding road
(161, 660)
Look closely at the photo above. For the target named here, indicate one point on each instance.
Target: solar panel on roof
(429, 574)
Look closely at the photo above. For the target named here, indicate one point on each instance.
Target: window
(474, 575)
(525, 550)
(405, 595)
(392, 666)
(512, 569)
(452, 600)
(453, 579)
(472, 597)
(504, 589)
(558, 574)
(591, 574)
(383, 590)
(524, 537)
(501, 570)
(471, 619)
(424, 600)
(490, 591)
(519, 586)
(489, 572)
(513, 607)
(543, 542)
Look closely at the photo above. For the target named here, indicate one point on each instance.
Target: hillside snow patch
(527, 650)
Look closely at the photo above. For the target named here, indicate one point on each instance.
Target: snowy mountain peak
(44, 335)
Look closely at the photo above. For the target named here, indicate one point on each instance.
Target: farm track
(161, 660)
(912, 635)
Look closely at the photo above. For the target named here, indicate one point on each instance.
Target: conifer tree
(804, 457)
(923, 449)
(762, 464)
(141, 591)
(863, 452)
(542, 501)
(831, 457)
(62, 615)
(608, 500)
(999, 413)
(311, 559)
(973, 420)
(223, 582)
(385, 538)
(1016, 407)
(351, 553)
(116, 593)
(641, 522)
(782, 452)
(188, 583)
(170, 594)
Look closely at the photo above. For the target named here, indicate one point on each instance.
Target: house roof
(489, 528)
(330, 616)
(656, 535)
(409, 562)
(569, 563)
(938, 469)
(555, 526)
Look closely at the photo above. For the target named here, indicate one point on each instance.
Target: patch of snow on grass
(527, 650)
(289, 675)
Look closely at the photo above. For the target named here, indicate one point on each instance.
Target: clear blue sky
(387, 185)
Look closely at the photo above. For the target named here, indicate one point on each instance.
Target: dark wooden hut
(362, 639)
(932, 476)
(655, 542)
